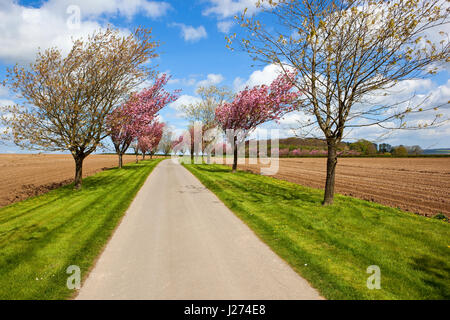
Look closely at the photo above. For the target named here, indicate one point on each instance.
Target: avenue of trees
(204, 112)
(135, 120)
(71, 103)
(335, 58)
(149, 140)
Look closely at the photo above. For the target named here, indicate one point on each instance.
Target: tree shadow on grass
(437, 274)
(258, 193)
(66, 192)
(211, 168)
(107, 181)
(134, 167)
(36, 237)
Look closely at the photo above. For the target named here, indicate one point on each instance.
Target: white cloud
(155, 9)
(238, 84)
(190, 82)
(211, 79)
(190, 33)
(404, 90)
(144, 85)
(183, 100)
(412, 92)
(178, 131)
(437, 95)
(174, 81)
(225, 26)
(293, 118)
(6, 102)
(26, 29)
(183, 81)
(258, 77)
(126, 8)
(4, 92)
(228, 8)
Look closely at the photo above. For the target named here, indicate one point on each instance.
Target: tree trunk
(137, 158)
(235, 154)
(331, 172)
(151, 156)
(143, 156)
(78, 171)
(120, 160)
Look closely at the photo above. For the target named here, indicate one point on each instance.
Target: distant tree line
(366, 147)
(298, 147)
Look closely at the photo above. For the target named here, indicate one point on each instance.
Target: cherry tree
(255, 106)
(349, 54)
(66, 98)
(177, 145)
(185, 143)
(149, 140)
(132, 119)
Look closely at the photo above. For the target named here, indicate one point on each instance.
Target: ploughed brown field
(420, 185)
(27, 175)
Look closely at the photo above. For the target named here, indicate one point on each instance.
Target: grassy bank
(42, 236)
(333, 246)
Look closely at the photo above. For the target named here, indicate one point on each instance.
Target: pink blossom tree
(129, 121)
(283, 152)
(254, 106)
(149, 140)
(177, 145)
(182, 143)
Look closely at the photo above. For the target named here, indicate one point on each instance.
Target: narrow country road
(178, 241)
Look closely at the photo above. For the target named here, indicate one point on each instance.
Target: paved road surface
(178, 241)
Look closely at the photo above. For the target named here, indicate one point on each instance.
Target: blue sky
(193, 50)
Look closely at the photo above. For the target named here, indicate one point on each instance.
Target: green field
(333, 246)
(42, 236)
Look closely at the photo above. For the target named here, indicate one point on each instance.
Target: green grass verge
(40, 237)
(333, 246)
